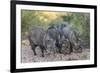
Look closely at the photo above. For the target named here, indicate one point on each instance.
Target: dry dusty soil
(27, 55)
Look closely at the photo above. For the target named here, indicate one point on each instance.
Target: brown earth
(27, 55)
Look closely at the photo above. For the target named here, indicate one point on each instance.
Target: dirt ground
(27, 55)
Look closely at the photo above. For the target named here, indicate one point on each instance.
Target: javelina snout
(77, 48)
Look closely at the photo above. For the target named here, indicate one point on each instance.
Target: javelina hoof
(35, 54)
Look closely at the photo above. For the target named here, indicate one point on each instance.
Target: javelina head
(66, 47)
(77, 48)
(50, 44)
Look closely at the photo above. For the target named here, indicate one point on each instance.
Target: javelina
(39, 37)
(54, 34)
(72, 35)
(62, 43)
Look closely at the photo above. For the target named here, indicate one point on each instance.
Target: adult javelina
(72, 35)
(62, 43)
(65, 42)
(39, 37)
(54, 34)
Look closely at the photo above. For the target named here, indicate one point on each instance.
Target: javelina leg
(58, 47)
(59, 50)
(33, 48)
(69, 49)
(42, 50)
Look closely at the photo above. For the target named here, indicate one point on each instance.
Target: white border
(20, 65)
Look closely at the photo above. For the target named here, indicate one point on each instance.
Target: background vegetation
(79, 21)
